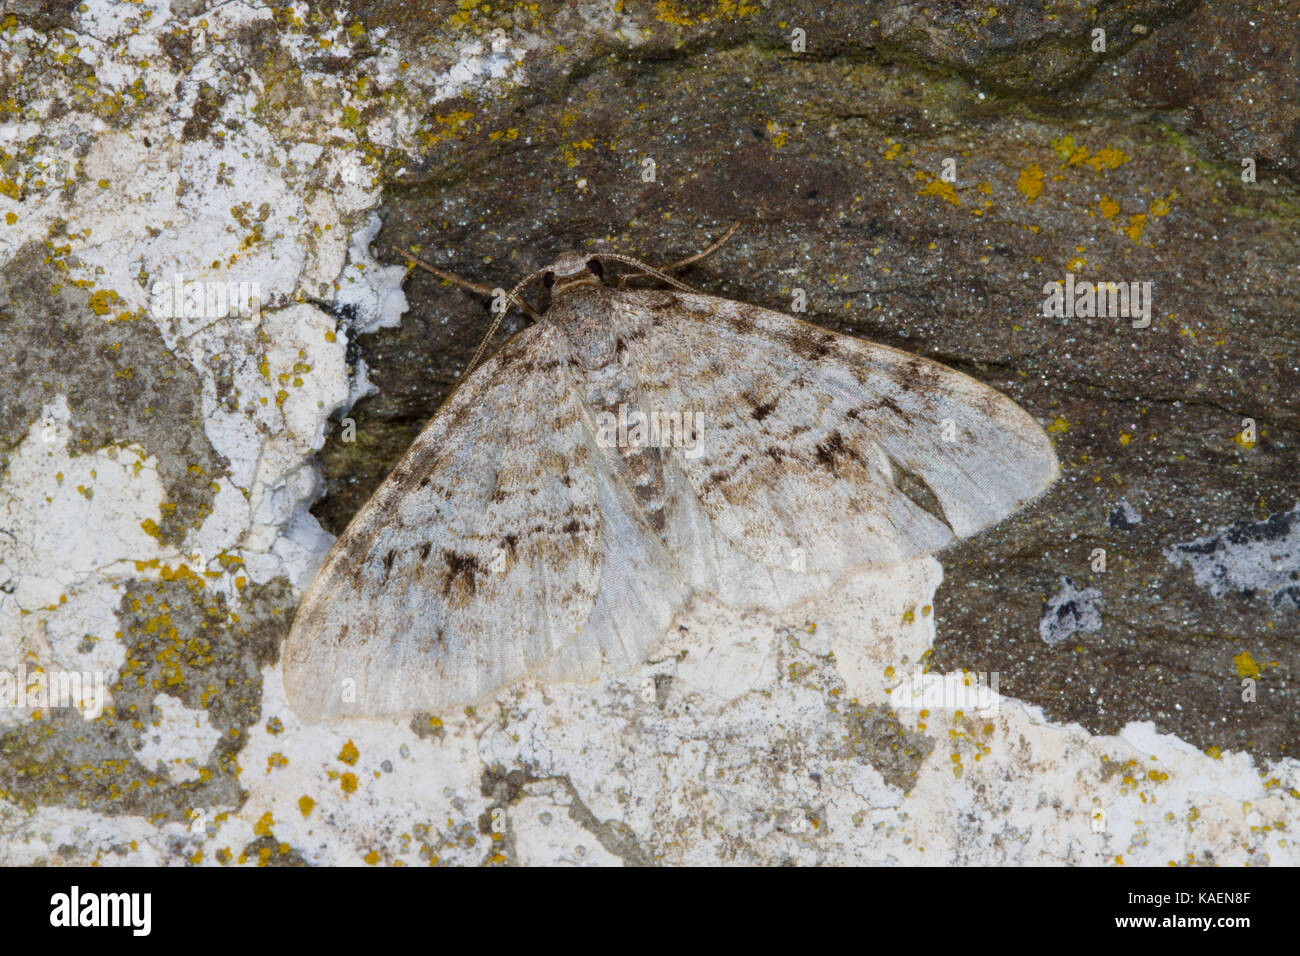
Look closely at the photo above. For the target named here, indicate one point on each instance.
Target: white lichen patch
(545, 831)
(177, 739)
(1071, 610)
(59, 834)
(1249, 557)
(481, 62)
(400, 796)
(70, 516)
(780, 764)
(204, 189)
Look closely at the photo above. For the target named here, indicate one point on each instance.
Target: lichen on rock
(171, 471)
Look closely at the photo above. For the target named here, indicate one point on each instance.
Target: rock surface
(922, 174)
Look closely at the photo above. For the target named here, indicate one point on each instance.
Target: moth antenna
(704, 252)
(648, 270)
(511, 296)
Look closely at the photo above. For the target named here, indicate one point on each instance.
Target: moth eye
(548, 279)
(595, 268)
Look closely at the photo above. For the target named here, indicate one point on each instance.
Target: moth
(542, 526)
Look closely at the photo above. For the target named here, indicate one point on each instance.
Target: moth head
(573, 267)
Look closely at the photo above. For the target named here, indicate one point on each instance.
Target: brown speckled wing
(485, 555)
(820, 452)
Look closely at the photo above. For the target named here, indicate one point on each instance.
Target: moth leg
(623, 279)
(466, 284)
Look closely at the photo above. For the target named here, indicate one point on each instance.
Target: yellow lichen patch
(348, 782)
(570, 152)
(1059, 424)
(102, 301)
(1064, 146)
(1138, 221)
(182, 573)
(447, 127)
(263, 826)
(1161, 206)
(1030, 182)
(1072, 154)
(460, 20)
(372, 857)
(1246, 666)
(667, 11)
(1107, 158)
(349, 753)
(305, 804)
(276, 759)
(1125, 438)
(944, 190)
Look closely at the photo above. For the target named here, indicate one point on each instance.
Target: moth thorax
(584, 313)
